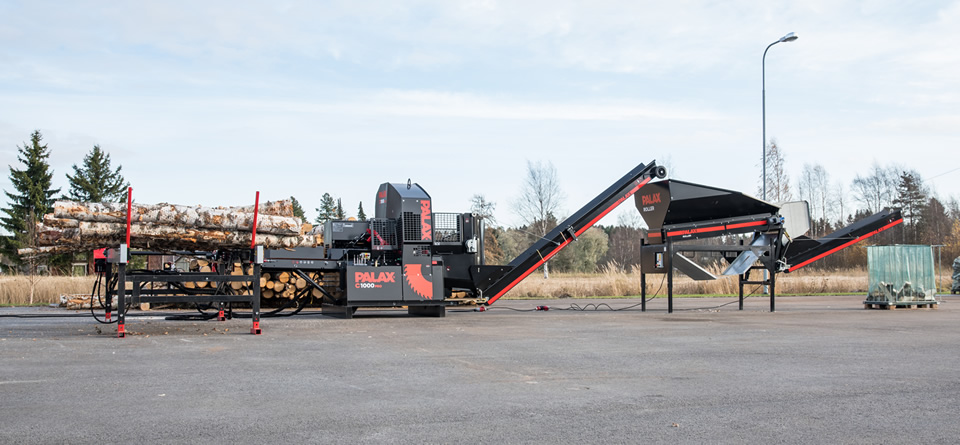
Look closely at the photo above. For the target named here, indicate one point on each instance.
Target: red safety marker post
(256, 212)
(121, 329)
(255, 329)
(129, 208)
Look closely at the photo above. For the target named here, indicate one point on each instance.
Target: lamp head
(789, 37)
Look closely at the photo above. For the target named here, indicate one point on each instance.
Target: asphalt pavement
(819, 370)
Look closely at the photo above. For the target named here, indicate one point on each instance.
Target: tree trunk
(90, 235)
(179, 216)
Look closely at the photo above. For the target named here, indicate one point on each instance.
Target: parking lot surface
(819, 370)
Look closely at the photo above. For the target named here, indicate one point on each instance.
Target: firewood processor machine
(411, 256)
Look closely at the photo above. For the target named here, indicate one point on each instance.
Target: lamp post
(763, 75)
(763, 68)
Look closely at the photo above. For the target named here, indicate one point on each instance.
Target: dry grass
(615, 282)
(612, 282)
(15, 290)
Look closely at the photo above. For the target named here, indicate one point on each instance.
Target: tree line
(96, 179)
(928, 218)
(33, 194)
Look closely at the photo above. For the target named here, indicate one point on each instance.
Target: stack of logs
(79, 226)
(284, 285)
(280, 285)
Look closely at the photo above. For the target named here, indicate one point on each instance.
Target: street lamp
(763, 66)
(763, 69)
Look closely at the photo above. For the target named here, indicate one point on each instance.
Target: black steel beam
(572, 227)
(842, 238)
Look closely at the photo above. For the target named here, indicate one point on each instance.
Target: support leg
(643, 292)
(773, 291)
(669, 278)
(108, 304)
(255, 329)
(670, 291)
(743, 277)
(121, 299)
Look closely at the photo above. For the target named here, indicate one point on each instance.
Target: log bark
(89, 235)
(216, 218)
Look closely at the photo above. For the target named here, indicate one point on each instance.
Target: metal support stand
(175, 292)
(771, 281)
(643, 292)
(670, 278)
(773, 292)
(255, 329)
(742, 278)
(121, 299)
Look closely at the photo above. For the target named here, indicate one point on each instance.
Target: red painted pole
(256, 212)
(129, 207)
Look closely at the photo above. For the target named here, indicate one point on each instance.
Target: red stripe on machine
(717, 228)
(845, 245)
(529, 271)
(747, 224)
(610, 209)
(692, 231)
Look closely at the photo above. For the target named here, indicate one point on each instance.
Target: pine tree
(911, 198)
(96, 181)
(340, 212)
(34, 195)
(327, 210)
(297, 209)
(361, 215)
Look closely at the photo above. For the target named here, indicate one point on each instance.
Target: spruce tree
(297, 209)
(33, 194)
(340, 213)
(361, 215)
(96, 181)
(327, 210)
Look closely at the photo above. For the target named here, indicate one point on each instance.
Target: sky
(208, 102)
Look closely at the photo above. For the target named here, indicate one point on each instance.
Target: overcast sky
(208, 102)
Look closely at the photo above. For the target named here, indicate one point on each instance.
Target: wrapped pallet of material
(900, 275)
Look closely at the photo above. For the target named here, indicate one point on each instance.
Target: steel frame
(768, 258)
(139, 294)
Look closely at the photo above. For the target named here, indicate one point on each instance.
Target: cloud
(945, 125)
(515, 76)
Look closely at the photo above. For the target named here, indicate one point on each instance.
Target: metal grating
(446, 228)
(411, 227)
(383, 234)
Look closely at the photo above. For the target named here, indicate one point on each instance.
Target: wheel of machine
(660, 172)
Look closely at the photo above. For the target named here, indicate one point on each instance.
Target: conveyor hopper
(677, 212)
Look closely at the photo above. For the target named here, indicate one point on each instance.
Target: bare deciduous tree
(778, 182)
(813, 187)
(539, 200)
(877, 189)
(480, 206)
(838, 202)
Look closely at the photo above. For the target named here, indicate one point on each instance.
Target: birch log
(98, 234)
(216, 218)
